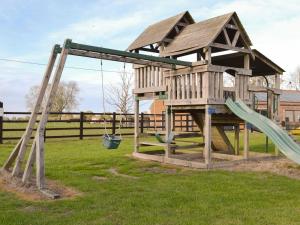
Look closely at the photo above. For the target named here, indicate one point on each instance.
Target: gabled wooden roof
(155, 33)
(260, 64)
(202, 34)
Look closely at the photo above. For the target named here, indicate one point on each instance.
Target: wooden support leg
(29, 164)
(19, 151)
(39, 138)
(237, 139)
(168, 131)
(207, 135)
(12, 155)
(136, 125)
(246, 141)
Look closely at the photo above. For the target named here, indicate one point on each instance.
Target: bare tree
(65, 99)
(120, 95)
(294, 81)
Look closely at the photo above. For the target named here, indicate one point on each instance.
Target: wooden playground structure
(220, 46)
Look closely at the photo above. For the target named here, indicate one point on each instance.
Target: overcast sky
(30, 28)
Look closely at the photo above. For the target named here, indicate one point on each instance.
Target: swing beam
(16, 160)
(90, 51)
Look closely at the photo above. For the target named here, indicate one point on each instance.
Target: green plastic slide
(278, 136)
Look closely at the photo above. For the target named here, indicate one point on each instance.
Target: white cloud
(97, 28)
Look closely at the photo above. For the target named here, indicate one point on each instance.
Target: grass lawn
(181, 197)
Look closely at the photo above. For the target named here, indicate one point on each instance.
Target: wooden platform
(196, 160)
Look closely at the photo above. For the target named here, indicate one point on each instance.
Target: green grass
(185, 197)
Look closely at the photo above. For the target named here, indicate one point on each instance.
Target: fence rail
(87, 124)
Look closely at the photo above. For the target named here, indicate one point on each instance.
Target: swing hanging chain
(103, 97)
(120, 114)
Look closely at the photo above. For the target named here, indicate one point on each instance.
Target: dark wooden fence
(86, 124)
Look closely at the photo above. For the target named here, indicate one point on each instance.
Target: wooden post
(207, 137)
(246, 141)
(237, 139)
(114, 120)
(40, 160)
(1, 122)
(187, 122)
(142, 123)
(81, 125)
(136, 125)
(168, 130)
(207, 53)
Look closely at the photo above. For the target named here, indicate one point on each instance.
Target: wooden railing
(185, 87)
(229, 92)
(149, 79)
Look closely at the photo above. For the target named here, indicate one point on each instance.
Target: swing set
(16, 164)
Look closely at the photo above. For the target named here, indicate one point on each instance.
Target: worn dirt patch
(280, 166)
(99, 178)
(160, 170)
(30, 192)
(116, 173)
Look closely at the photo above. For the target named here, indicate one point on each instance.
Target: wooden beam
(182, 24)
(246, 141)
(235, 38)
(168, 124)
(226, 37)
(231, 26)
(39, 138)
(237, 139)
(30, 162)
(117, 58)
(218, 45)
(207, 54)
(136, 125)
(149, 50)
(207, 137)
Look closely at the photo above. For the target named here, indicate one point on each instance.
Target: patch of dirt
(280, 166)
(116, 173)
(30, 192)
(160, 170)
(98, 178)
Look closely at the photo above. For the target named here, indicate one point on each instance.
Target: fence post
(162, 121)
(187, 122)
(114, 123)
(142, 123)
(81, 125)
(1, 122)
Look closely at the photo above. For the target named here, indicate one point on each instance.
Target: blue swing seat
(111, 141)
(161, 140)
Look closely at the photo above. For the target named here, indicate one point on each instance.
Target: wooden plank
(188, 86)
(221, 86)
(237, 139)
(168, 123)
(246, 141)
(218, 45)
(29, 129)
(30, 162)
(207, 137)
(235, 38)
(226, 37)
(144, 143)
(136, 125)
(193, 84)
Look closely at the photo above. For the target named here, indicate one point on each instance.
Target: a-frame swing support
(15, 161)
